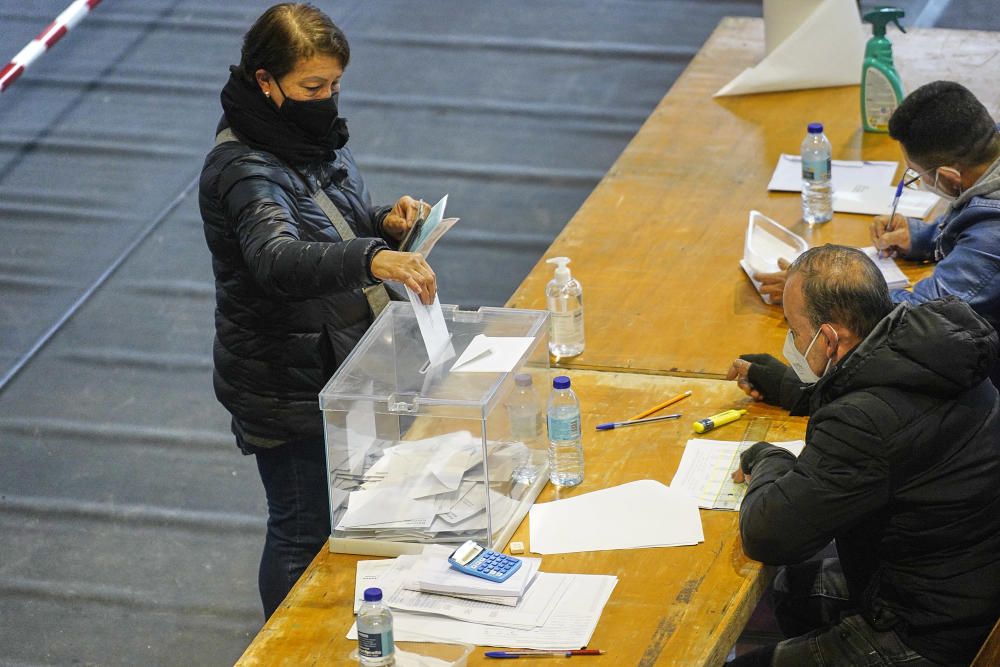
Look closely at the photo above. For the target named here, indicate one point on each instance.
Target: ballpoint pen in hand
(892, 213)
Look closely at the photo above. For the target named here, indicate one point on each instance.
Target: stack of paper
(557, 611)
(865, 187)
(429, 490)
(706, 470)
(434, 574)
(609, 519)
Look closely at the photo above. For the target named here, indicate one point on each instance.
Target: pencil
(657, 408)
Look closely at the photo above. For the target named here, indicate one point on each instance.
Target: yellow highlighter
(707, 424)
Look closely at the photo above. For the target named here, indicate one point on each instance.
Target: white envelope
(810, 44)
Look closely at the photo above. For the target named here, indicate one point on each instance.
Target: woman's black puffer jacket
(289, 305)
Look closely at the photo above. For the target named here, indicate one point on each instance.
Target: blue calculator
(470, 558)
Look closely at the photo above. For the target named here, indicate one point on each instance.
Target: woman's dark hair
(288, 33)
(942, 123)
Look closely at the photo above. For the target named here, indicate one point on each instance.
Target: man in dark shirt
(901, 468)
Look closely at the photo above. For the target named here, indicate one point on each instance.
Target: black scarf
(258, 122)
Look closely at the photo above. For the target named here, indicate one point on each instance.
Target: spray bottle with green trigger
(881, 89)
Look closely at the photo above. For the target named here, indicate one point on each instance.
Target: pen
(611, 425)
(542, 654)
(657, 408)
(892, 213)
(721, 419)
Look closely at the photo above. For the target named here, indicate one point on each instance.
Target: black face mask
(318, 119)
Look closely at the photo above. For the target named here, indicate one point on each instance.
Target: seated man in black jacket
(901, 468)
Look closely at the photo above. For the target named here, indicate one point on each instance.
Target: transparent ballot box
(421, 452)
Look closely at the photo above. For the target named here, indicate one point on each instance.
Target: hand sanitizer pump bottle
(564, 297)
(881, 89)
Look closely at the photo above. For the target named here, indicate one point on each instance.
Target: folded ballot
(810, 44)
(767, 241)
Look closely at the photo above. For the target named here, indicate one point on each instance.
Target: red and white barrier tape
(46, 38)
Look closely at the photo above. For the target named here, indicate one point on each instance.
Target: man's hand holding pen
(890, 236)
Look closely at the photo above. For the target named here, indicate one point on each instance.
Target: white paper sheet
(894, 276)
(369, 575)
(844, 174)
(877, 200)
(635, 515)
(706, 468)
(492, 354)
(858, 187)
(360, 433)
(822, 43)
(433, 329)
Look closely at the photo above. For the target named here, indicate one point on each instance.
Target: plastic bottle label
(880, 100)
(375, 644)
(564, 428)
(567, 327)
(816, 170)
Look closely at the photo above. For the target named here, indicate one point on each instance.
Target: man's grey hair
(843, 286)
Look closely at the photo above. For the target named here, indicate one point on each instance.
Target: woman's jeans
(298, 521)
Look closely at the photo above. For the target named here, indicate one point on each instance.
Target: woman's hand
(891, 236)
(409, 268)
(404, 214)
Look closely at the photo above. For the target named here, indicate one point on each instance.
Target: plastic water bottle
(817, 191)
(375, 646)
(565, 450)
(525, 425)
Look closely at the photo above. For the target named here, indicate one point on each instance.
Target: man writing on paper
(951, 146)
(901, 468)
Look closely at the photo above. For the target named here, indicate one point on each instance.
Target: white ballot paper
(810, 44)
(492, 354)
(635, 515)
(433, 329)
(706, 468)
(858, 187)
(894, 277)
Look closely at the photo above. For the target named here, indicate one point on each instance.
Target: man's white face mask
(798, 359)
(933, 187)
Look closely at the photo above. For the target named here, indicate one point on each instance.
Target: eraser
(517, 547)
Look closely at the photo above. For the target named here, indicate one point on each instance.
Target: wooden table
(678, 605)
(658, 242)
(657, 246)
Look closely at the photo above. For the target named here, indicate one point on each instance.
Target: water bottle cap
(561, 382)
(522, 380)
(815, 128)
(373, 594)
